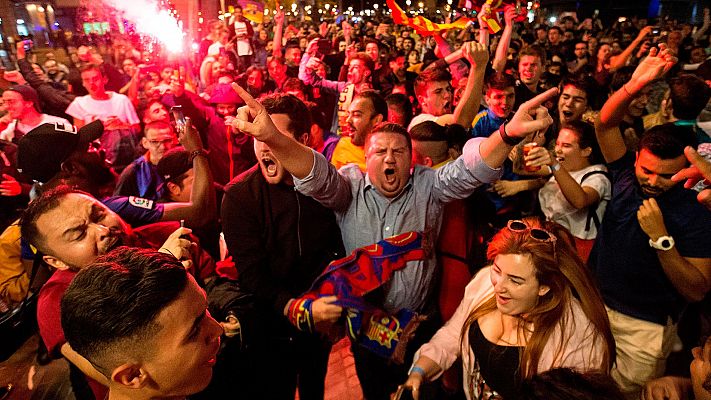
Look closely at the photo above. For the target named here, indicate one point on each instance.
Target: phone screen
(178, 115)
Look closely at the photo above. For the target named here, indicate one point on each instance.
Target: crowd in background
(552, 177)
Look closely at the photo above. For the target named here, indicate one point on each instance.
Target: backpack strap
(592, 211)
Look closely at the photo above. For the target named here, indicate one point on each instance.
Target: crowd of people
(520, 214)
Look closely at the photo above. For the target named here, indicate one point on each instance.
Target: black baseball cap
(42, 150)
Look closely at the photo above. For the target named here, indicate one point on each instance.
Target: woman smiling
(535, 308)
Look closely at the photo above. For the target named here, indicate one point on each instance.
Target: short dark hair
(500, 81)
(379, 104)
(402, 103)
(368, 41)
(586, 138)
(555, 28)
(293, 84)
(580, 83)
(668, 140)
(317, 116)
(111, 306)
(689, 96)
(369, 63)
(295, 109)
(533, 50)
(47, 202)
(156, 125)
(390, 127)
(90, 66)
(431, 75)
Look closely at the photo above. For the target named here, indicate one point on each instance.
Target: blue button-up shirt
(365, 216)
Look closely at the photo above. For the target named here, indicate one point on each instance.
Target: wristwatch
(662, 243)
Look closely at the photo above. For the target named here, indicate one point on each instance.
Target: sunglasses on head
(537, 234)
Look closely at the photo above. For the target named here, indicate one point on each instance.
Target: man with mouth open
(154, 341)
(391, 198)
(281, 241)
(652, 255)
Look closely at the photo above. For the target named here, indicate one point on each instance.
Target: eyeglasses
(537, 234)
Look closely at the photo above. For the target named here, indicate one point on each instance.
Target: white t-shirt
(214, 49)
(118, 105)
(9, 132)
(243, 48)
(557, 208)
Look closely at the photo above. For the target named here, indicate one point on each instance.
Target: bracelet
(197, 153)
(418, 370)
(624, 87)
(510, 140)
(554, 167)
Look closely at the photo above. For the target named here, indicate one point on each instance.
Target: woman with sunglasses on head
(535, 308)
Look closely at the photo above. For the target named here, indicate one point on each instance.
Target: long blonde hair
(559, 267)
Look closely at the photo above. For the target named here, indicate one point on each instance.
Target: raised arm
(502, 48)
(485, 12)
(478, 55)
(296, 158)
(278, 33)
(201, 208)
(700, 32)
(620, 60)
(607, 125)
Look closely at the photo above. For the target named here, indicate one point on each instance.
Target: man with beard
(70, 228)
(365, 111)
(230, 152)
(391, 198)
(282, 240)
(653, 252)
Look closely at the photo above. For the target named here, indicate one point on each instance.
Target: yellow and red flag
(422, 25)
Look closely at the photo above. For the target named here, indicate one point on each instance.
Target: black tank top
(499, 365)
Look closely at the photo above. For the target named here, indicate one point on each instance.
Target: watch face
(666, 243)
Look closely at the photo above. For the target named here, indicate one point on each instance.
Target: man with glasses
(140, 178)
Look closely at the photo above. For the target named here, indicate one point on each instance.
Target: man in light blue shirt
(391, 197)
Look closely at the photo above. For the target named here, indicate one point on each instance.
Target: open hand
(10, 186)
(700, 170)
(653, 67)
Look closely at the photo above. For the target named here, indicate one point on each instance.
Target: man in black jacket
(281, 241)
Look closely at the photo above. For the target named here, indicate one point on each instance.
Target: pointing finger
(540, 99)
(248, 99)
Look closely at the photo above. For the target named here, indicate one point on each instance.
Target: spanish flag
(422, 25)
